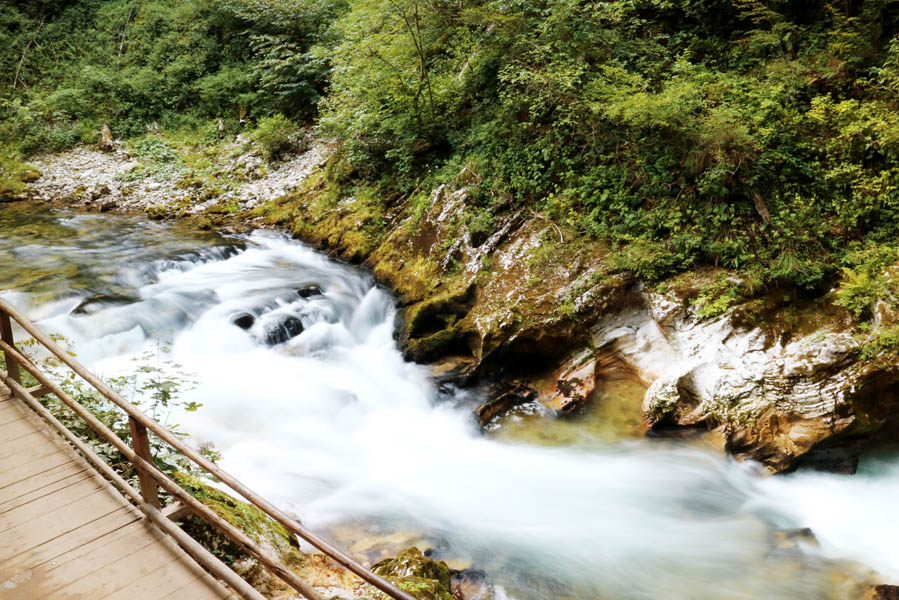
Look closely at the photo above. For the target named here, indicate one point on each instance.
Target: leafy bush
(74, 65)
(156, 382)
(715, 298)
(859, 291)
(15, 175)
(273, 135)
(887, 341)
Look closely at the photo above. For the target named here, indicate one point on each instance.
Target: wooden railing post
(12, 365)
(140, 441)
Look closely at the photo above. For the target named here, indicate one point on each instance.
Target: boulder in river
(883, 592)
(310, 291)
(775, 398)
(96, 302)
(244, 320)
(508, 397)
(471, 584)
(283, 330)
(574, 386)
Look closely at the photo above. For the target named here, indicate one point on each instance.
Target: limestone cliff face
(777, 392)
(774, 400)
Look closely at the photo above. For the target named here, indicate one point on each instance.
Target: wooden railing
(151, 478)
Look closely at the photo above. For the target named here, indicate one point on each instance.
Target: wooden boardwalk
(66, 533)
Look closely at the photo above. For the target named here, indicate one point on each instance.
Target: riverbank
(785, 380)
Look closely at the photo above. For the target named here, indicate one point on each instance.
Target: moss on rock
(268, 533)
(423, 577)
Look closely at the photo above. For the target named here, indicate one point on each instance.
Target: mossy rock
(411, 571)
(157, 212)
(246, 517)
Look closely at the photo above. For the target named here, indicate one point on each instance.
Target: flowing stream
(309, 401)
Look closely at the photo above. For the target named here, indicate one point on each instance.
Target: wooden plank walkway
(67, 534)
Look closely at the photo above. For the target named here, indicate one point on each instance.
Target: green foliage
(859, 291)
(647, 259)
(273, 135)
(156, 385)
(14, 174)
(886, 342)
(69, 67)
(718, 296)
(758, 137)
(748, 135)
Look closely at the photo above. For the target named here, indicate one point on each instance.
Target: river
(333, 425)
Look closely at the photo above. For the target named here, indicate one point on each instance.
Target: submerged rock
(243, 320)
(310, 291)
(883, 592)
(574, 386)
(98, 301)
(283, 330)
(471, 584)
(509, 397)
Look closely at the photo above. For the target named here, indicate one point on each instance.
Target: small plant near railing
(156, 385)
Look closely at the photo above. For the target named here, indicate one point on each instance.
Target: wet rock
(774, 399)
(96, 302)
(471, 584)
(510, 397)
(309, 291)
(283, 330)
(883, 592)
(435, 328)
(574, 386)
(452, 369)
(243, 320)
(789, 542)
(423, 577)
(842, 459)
(802, 534)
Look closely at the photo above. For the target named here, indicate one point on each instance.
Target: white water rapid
(335, 426)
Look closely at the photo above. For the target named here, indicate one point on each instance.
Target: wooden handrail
(191, 546)
(147, 470)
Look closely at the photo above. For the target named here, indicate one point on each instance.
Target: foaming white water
(851, 516)
(333, 424)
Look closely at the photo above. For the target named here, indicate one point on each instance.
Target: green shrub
(859, 291)
(273, 135)
(15, 175)
(887, 341)
(715, 298)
